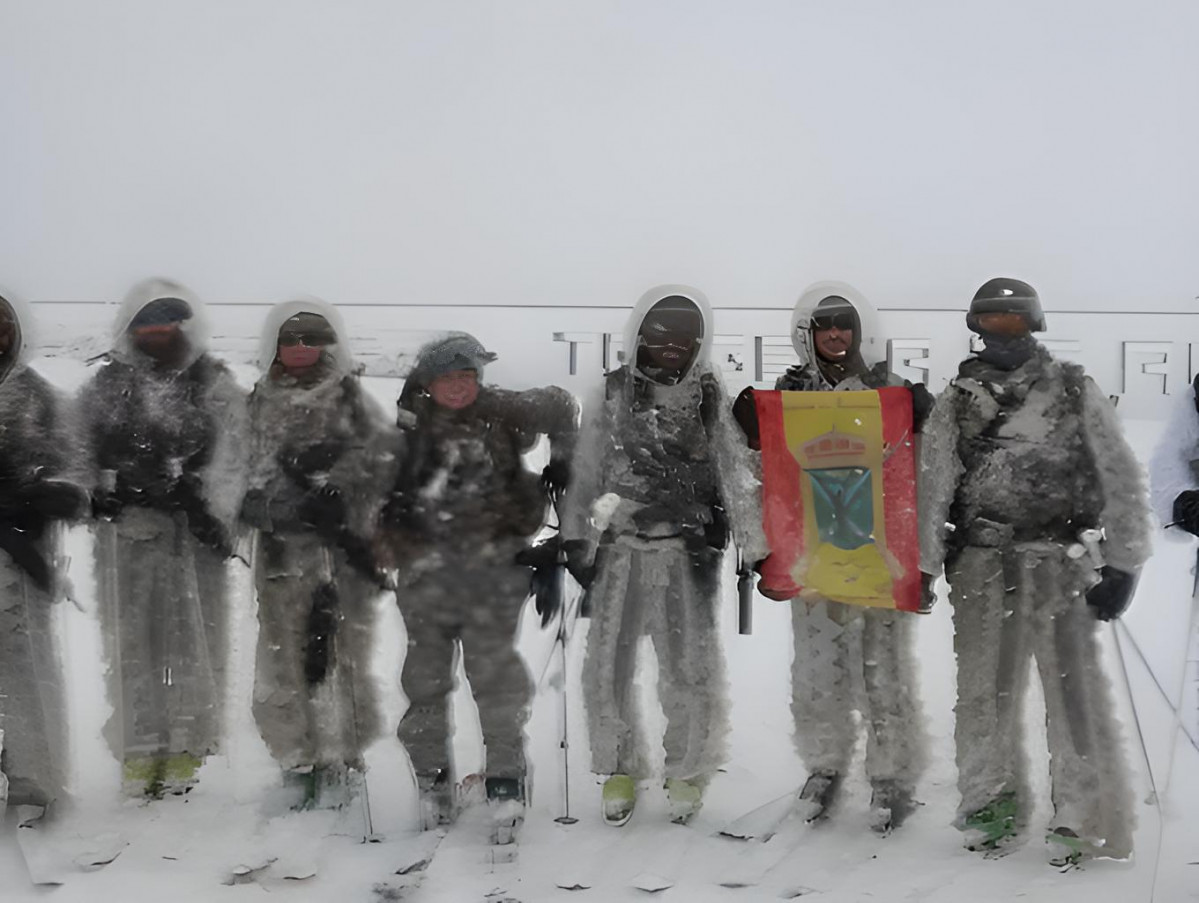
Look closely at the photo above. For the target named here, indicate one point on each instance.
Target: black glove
(579, 562)
(324, 510)
(555, 477)
(106, 505)
(301, 464)
(745, 412)
(1110, 596)
(716, 533)
(928, 598)
(922, 406)
(1186, 511)
(545, 583)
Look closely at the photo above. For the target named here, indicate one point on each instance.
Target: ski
(762, 823)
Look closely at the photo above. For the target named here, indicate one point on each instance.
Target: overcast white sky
(561, 151)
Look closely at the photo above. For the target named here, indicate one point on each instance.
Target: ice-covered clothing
(323, 456)
(1020, 462)
(471, 597)
(33, 499)
(166, 449)
(1024, 601)
(463, 506)
(849, 657)
(661, 480)
(1031, 454)
(1174, 467)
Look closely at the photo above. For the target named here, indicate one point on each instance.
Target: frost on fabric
(322, 457)
(1174, 467)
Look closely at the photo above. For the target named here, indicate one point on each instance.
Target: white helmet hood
(645, 304)
(195, 328)
(268, 344)
(871, 345)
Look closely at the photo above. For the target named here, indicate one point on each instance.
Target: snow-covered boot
(685, 798)
(890, 806)
(992, 825)
(506, 800)
(620, 796)
(817, 795)
(436, 799)
(155, 776)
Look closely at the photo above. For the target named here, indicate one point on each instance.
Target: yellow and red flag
(839, 496)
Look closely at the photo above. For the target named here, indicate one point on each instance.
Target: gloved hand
(300, 464)
(716, 533)
(745, 412)
(324, 510)
(545, 584)
(928, 598)
(1109, 597)
(555, 477)
(210, 531)
(922, 406)
(580, 561)
(1186, 511)
(106, 505)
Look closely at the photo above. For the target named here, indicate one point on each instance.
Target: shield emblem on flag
(839, 496)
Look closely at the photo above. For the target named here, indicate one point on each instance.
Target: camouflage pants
(849, 658)
(164, 619)
(471, 600)
(661, 589)
(33, 712)
(1010, 605)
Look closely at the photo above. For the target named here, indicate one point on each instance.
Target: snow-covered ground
(193, 848)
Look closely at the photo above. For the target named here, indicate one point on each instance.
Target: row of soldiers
(1023, 465)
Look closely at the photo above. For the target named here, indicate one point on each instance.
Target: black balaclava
(673, 327)
(1006, 352)
(164, 312)
(838, 311)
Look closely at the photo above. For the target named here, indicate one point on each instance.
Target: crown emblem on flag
(833, 444)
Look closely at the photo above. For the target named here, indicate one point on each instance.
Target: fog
(539, 152)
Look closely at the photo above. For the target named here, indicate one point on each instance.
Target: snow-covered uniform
(464, 505)
(34, 497)
(1015, 465)
(852, 657)
(166, 447)
(322, 456)
(660, 477)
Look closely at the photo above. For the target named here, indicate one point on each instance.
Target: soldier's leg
(1092, 796)
(32, 702)
(826, 641)
(282, 709)
(498, 677)
(895, 737)
(609, 688)
(427, 676)
(990, 641)
(355, 657)
(692, 685)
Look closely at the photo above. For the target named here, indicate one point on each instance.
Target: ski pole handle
(745, 600)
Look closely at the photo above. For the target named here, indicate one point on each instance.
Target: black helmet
(1007, 296)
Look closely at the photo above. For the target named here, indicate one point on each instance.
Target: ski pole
(745, 598)
(566, 818)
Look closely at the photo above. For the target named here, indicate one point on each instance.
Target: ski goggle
(843, 321)
(311, 339)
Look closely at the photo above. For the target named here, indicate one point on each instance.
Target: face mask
(1006, 352)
